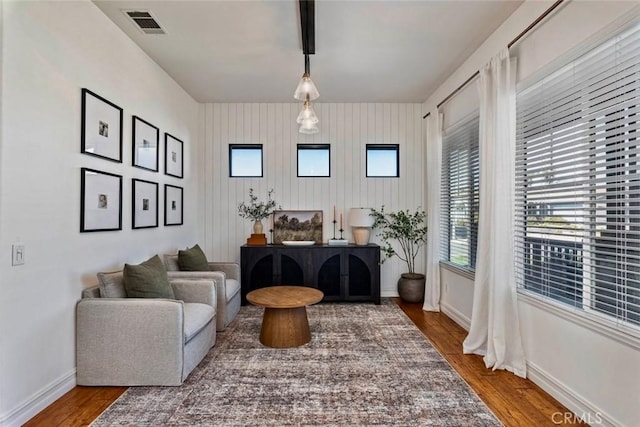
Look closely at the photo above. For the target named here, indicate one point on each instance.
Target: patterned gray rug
(365, 365)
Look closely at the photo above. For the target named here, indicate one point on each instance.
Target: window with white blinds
(460, 193)
(578, 183)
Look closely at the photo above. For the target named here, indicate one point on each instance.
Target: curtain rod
(534, 23)
(458, 89)
(426, 115)
(511, 43)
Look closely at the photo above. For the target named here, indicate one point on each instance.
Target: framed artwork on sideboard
(296, 226)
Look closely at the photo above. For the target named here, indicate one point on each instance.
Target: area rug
(365, 365)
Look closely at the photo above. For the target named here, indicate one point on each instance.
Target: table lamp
(361, 222)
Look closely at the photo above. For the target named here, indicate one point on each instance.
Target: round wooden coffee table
(285, 322)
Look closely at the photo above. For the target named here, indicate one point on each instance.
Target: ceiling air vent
(144, 21)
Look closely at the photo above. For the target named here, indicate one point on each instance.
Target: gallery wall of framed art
(102, 189)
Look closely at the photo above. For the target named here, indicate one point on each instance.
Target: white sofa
(143, 341)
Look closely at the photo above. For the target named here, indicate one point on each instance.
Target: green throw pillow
(193, 260)
(147, 280)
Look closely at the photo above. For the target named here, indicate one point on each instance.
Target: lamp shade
(307, 113)
(360, 217)
(306, 89)
(308, 127)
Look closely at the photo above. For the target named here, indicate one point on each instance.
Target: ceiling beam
(308, 26)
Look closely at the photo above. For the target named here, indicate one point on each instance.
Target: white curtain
(434, 165)
(495, 327)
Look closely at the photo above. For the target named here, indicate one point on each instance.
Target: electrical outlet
(17, 257)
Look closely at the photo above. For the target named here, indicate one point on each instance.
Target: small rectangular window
(383, 161)
(245, 160)
(314, 160)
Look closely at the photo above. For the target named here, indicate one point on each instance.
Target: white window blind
(460, 193)
(578, 182)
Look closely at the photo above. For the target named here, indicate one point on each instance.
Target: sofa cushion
(196, 317)
(193, 259)
(171, 262)
(111, 285)
(232, 288)
(92, 292)
(147, 280)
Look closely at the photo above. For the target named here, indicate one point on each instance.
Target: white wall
(51, 51)
(348, 128)
(456, 298)
(592, 373)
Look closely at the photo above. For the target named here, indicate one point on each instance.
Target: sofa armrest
(150, 332)
(230, 269)
(202, 291)
(217, 277)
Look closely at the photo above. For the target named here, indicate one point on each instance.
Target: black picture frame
(101, 127)
(173, 156)
(173, 205)
(100, 201)
(145, 145)
(144, 204)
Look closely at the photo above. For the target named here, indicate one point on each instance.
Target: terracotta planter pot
(411, 287)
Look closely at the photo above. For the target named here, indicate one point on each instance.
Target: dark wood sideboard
(342, 273)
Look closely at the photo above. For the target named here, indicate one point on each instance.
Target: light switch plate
(17, 257)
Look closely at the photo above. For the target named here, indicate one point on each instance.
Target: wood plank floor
(515, 401)
(79, 407)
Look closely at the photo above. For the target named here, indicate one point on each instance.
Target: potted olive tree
(403, 233)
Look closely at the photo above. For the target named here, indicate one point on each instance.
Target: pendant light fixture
(306, 90)
(307, 113)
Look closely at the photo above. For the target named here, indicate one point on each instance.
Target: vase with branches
(258, 210)
(403, 233)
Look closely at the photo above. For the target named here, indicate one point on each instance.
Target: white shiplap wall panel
(348, 128)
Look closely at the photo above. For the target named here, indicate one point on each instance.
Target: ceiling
(366, 51)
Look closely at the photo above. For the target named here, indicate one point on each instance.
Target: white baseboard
(582, 408)
(39, 400)
(455, 315)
